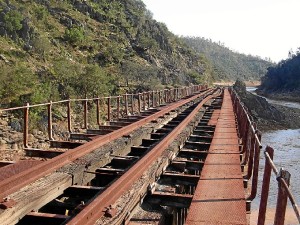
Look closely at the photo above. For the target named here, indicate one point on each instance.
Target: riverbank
(268, 116)
(291, 120)
(251, 83)
(287, 96)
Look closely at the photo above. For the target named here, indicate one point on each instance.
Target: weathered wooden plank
(34, 196)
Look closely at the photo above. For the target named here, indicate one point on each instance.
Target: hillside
(229, 65)
(53, 49)
(283, 80)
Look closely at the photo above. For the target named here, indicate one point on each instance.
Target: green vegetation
(12, 21)
(71, 49)
(229, 65)
(284, 77)
(74, 35)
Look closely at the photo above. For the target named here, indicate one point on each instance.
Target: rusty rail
(18, 181)
(96, 209)
(251, 137)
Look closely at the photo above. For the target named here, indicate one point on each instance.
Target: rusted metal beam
(50, 133)
(14, 183)
(281, 197)
(26, 126)
(126, 104)
(132, 104)
(69, 116)
(48, 215)
(85, 114)
(265, 188)
(98, 110)
(93, 211)
(108, 109)
(118, 107)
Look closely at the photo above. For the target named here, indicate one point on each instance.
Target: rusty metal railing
(251, 138)
(115, 106)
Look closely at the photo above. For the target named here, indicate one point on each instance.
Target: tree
(16, 81)
(93, 81)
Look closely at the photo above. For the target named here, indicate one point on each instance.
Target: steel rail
(95, 209)
(16, 182)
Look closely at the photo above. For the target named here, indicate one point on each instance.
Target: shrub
(74, 35)
(13, 21)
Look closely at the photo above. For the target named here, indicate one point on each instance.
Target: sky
(265, 28)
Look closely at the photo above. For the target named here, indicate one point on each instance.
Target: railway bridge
(178, 156)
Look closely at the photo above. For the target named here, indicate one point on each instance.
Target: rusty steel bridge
(175, 156)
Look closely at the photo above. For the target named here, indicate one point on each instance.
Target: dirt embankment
(268, 116)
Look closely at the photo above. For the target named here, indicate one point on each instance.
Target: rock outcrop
(268, 116)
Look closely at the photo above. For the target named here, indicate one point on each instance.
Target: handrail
(269, 162)
(118, 104)
(93, 99)
(285, 185)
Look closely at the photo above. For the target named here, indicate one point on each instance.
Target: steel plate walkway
(219, 197)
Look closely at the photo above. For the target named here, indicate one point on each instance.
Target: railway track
(64, 188)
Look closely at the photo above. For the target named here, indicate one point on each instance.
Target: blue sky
(267, 28)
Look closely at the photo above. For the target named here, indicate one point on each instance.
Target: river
(286, 144)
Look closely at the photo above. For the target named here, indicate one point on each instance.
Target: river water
(286, 144)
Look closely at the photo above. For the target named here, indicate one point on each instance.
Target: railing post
(282, 197)
(153, 99)
(159, 98)
(85, 114)
(98, 110)
(144, 101)
(265, 187)
(50, 121)
(69, 115)
(251, 156)
(132, 104)
(25, 126)
(148, 95)
(108, 109)
(126, 103)
(139, 102)
(118, 107)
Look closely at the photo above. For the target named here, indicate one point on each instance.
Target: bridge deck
(219, 197)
